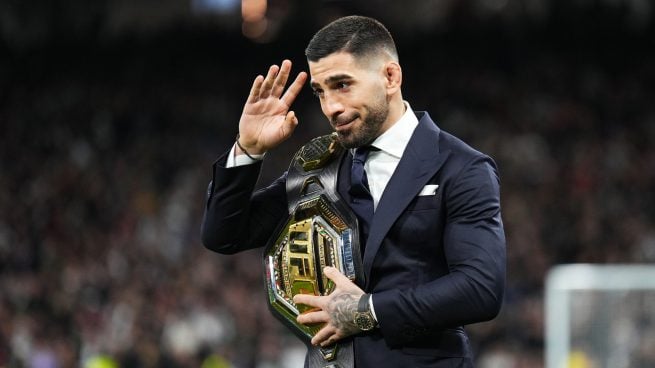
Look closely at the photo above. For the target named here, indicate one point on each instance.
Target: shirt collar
(396, 138)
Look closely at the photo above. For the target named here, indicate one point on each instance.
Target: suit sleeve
(235, 218)
(474, 246)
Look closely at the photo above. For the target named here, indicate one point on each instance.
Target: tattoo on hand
(342, 312)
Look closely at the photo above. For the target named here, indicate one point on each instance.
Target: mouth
(344, 124)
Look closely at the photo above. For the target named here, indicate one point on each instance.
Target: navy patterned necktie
(358, 180)
(361, 201)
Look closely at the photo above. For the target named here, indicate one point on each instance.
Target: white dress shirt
(381, 164)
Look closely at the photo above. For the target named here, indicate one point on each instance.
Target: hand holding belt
(321, 231)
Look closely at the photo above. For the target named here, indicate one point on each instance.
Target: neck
(396, 110)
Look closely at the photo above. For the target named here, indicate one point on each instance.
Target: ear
(393, 77)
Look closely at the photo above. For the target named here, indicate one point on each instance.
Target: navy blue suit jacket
(433, 263)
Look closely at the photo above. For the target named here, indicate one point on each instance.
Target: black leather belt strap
(314, 172)
(344, 356)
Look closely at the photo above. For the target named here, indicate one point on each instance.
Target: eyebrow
(332, 79)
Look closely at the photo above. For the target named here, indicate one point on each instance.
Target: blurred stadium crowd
(105, 155)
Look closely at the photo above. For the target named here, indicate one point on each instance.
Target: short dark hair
(357, 35)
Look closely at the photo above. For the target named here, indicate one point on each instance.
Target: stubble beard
(368, 130)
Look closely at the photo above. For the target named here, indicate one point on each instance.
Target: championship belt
(320, 231)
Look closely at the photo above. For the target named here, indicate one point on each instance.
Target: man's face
(353, 97)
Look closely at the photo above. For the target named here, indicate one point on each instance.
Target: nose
(331, 106)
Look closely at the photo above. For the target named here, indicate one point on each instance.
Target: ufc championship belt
(321, 231)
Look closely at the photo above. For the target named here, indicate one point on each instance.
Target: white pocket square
(429, 190)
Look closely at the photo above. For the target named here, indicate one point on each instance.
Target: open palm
(266, 120)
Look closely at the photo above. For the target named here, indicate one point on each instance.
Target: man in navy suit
(434, 249)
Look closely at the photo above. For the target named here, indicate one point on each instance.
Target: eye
(318, 93)
(342, 85)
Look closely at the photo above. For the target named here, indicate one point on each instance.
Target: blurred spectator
(104, 161)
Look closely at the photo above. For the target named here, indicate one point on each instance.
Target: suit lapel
(420, 161)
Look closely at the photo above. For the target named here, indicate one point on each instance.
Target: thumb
(290, 122)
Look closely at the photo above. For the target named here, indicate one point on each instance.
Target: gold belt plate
(314, 236)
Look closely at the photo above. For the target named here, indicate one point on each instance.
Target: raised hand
(266, 120)
(337, 310)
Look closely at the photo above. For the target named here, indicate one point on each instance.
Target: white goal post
(600, 316)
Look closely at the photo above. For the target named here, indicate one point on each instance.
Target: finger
(291, 119)
(294, 89)
(313, 317)
(256, 87)
(308, 299)
(268, 81)
(329, 341)
(290, 123)
(340, 280)
(324, 335)
(281, 79)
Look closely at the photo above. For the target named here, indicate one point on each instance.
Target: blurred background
(112, 112)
